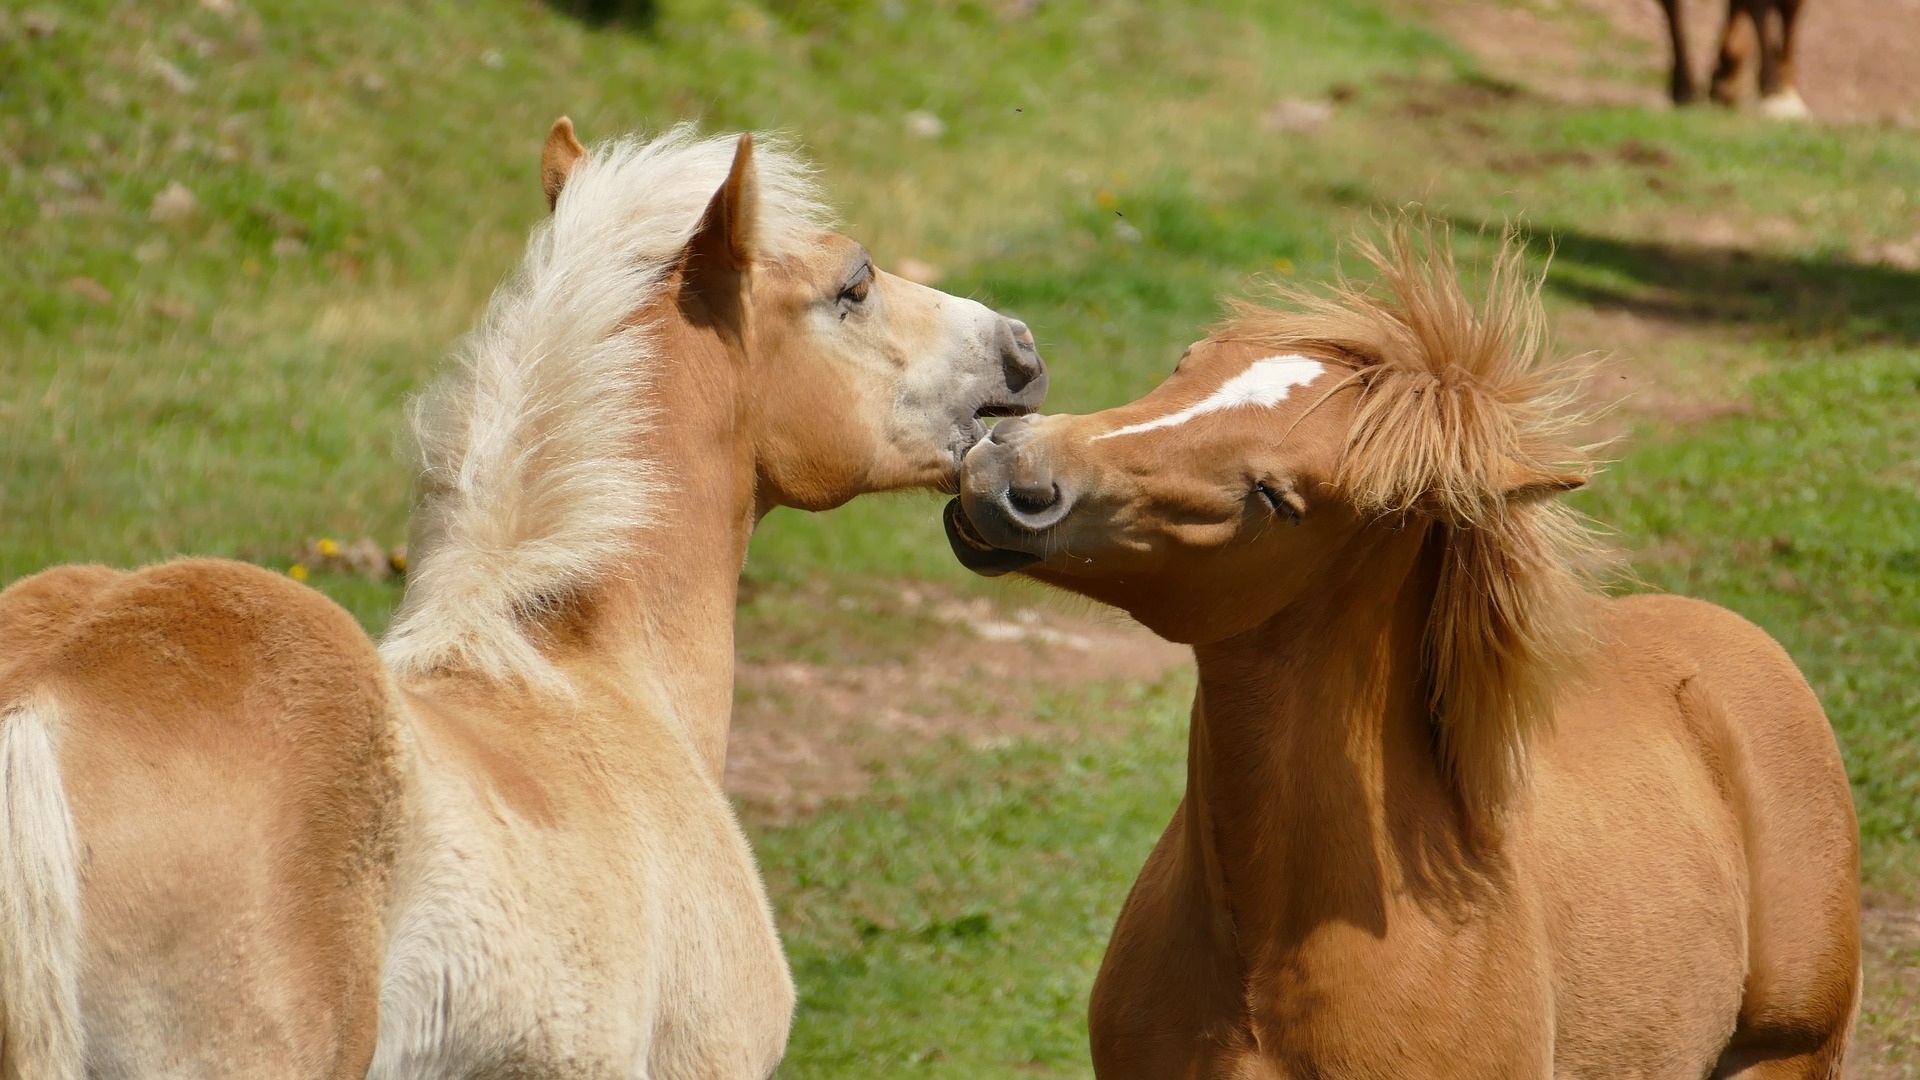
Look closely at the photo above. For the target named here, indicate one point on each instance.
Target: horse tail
(40, 1033)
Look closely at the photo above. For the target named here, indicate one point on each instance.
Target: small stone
(1298, 115)
(373, 82)
(492, 58)
(1125, 232)
(175, 203)
(289, 247)
(922, 124)
(65, 180)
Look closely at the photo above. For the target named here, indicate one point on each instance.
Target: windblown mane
(1460, 404)
(531, 484)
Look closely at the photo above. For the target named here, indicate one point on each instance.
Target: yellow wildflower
(327, 547)
(298, 571)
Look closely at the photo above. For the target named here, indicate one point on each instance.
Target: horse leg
(1681, 86)
(1779, 90)
(1782, 1060)
(1744, 30)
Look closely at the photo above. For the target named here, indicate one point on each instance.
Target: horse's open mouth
(976, 429)
(973, 550)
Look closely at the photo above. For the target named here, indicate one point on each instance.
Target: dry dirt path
(805, 733)
(1859, 59)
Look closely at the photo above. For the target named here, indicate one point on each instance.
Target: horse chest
(565, 953)
(1403, 998)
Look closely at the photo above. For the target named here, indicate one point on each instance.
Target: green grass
(232, 382)
(972, 956)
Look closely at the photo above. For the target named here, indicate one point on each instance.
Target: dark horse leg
(1745, 30)
(1682, 86)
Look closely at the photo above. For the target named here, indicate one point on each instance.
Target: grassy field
(240, 234)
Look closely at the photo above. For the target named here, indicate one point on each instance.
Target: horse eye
(857, 289)
(1278, 501)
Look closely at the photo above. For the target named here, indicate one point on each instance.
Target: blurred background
(238, 234)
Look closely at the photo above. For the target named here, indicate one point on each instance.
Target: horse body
(1449, 812)
(244, 842)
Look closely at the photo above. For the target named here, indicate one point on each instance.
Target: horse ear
(557, 159)
(724, 242)
(1525, 484)
(715, 264)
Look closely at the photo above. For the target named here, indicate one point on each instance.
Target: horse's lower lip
(974, 552)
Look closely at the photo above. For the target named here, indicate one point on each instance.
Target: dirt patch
(1856, 57)
(806, 733)
(1886, 1044)
(1656, 370)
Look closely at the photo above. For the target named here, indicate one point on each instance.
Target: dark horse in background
(1762, 25)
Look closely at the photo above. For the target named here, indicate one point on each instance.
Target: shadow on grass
(631, 14)
(1794, 296)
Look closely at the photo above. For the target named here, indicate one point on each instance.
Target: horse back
(227, 744)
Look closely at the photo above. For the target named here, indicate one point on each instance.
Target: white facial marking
(1265, 383)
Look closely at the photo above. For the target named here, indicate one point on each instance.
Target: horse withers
(241, 842)
(1450, 811)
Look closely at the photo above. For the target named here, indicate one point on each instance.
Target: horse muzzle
(1010, 500)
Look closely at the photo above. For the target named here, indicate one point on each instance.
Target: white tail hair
(40, 1032)
(531, 483)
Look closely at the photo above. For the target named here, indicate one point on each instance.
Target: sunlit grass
(231, 379)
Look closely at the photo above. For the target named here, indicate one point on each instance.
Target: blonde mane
(1466, 423)
(531, 484)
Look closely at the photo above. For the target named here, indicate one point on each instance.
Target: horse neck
(1314, 791)
(661, 629)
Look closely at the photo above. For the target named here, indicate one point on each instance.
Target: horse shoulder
(583, 913)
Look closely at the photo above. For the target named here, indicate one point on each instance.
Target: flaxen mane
(531, 486)
(1462, 415)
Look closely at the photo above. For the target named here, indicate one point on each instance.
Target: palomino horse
(240, 842)
(1764, 24)
(1450, 813)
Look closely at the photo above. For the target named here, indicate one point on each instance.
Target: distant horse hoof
(1785, 105)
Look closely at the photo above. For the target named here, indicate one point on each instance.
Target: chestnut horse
(1767, 25)
(1450, 812)
(239, 842)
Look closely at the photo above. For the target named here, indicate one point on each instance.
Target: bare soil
(1859, 60)
(808, 733)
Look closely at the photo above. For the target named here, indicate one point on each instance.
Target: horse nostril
(1004, 431)
(1019, 358)
(1030, 498)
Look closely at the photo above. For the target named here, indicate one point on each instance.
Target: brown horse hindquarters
(1695, 838)
(1788, 790)
(226, 741)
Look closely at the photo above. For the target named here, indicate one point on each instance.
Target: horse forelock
(1458, 393)
(532, 486)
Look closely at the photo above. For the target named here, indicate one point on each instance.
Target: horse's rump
(227, 742)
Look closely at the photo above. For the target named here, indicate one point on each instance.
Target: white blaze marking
(1265, 383)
